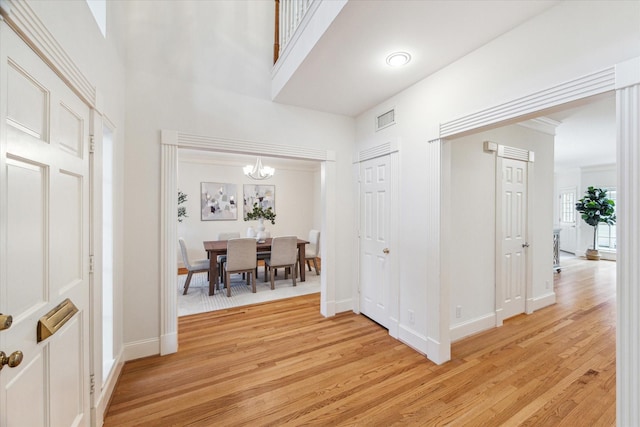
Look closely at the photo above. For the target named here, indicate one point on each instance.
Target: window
(607, 233)
(99, 11)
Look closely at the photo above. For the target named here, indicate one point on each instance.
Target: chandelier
(258, 171)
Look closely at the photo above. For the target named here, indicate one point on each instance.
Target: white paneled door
(512, 265)
(44, 242)
(374, 239)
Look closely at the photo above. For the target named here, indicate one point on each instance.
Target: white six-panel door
(374, 236)
(512, 241)
(44, 199)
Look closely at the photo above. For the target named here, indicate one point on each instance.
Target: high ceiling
(346, 72)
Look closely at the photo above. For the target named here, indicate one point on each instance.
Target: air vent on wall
(386, 119)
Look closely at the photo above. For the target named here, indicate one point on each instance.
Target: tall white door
(567, 219)
(512, 240)
(44, 235)
(374, 239)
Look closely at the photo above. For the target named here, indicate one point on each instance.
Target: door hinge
(92, 383)
(92, 144)
(90, 263)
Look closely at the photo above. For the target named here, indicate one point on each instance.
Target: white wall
(295, 200)
(555, 47)
(473, 233)
(204, 68)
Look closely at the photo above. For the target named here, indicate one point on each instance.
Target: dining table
(216, 248)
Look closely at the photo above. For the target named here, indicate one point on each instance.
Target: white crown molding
(239, 146)
(21, 17)
(583, 87)
(610, 167)
(541, 124)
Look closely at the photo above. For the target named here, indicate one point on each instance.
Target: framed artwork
(218, 201)
(263, 195)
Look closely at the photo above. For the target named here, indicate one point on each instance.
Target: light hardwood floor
(282, 363)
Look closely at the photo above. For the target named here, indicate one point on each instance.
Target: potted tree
(595, 208)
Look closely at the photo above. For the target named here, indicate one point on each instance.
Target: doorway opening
(295, 196)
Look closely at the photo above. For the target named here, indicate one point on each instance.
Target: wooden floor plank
(282, 363)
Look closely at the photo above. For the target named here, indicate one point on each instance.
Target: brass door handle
(385, 250)
(13, 360)
(5, 321)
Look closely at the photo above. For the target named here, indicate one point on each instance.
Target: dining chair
(241, 258)
(312, 250)
(284, 253)
(222, 258)
(197, 266)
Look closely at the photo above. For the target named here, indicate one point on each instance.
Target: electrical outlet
(458, 311)
(411, 317)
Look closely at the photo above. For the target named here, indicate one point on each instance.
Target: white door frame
(170, 142)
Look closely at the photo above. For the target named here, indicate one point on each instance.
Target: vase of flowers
(260, 214)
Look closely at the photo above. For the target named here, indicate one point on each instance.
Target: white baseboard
(109, 385)
(542, 301)
(473, 326)
(394, 327)
(142, 348)
(343, 305)
(169, 343)
(413, 339)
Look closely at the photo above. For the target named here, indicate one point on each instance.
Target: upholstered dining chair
(312, 250)
(241, 258)
(197, 266)
(222, 258)
(284, 254)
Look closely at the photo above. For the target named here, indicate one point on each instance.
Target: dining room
(216, 199)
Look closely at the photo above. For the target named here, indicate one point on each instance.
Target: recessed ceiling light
(398, 59)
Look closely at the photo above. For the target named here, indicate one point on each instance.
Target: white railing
(290, 15)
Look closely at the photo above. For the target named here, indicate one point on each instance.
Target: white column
(168, 242)
(628, 248)
(328, 232)
(437, 221)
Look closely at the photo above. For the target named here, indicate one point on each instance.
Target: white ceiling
(346, 72)
(586, 135)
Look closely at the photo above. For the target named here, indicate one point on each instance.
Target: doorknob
(385, 250)
(13, 360)
(5, 321)
(525, 245)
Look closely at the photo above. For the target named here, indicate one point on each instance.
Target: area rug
(198, 300)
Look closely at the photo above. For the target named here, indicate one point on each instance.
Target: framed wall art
(218, 201)
(263, 195)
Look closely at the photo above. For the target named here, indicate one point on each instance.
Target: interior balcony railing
(289, 15)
